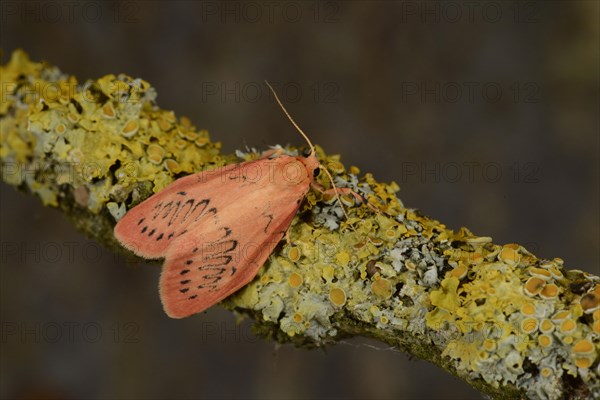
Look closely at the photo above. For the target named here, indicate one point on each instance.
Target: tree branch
(508, 323)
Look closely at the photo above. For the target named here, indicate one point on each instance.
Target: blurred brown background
(485, 113)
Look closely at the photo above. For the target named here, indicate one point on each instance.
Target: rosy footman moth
(215, 229)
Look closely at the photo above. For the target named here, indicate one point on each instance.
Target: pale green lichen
(507, 322)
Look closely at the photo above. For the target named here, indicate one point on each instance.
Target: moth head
(311, 163)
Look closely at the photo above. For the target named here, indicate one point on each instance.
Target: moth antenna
(312, 149)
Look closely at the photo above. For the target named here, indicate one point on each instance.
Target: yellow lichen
(509, 254)
(534, 286)
(528, 309)
(295, 280)
(337, 296)
(343, 258)
(545, 340)
(172, 166)
(328, 273)
(382, 288)
(294, 254)
(546, 326)
(567, 326)
(568, 339)
(529, 325)
(549, 291)
(561, 315)
(446, 297)
(556, 274)
(489, 345)
(155, 153)
(130, 128)
(584, 346)
(460, 271)
(411, 266)
(583, 362)
(108, 111)
(335, 167)
(540, 273)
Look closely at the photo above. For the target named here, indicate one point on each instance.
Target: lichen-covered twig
(507, 322)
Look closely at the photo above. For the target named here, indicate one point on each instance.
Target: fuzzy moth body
(217, 228)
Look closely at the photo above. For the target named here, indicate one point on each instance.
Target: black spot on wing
(234, 244)
(167, 209)
(215, 261)
(183, 232)
(156, 210)
(270, 219)
(200, 210)
(212, 259)
(174, 214)
(190, 210)
(214, 249)
(215, 276)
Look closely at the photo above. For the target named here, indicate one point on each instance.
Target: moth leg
(270, 153)
(288, 239)
(340, 191)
